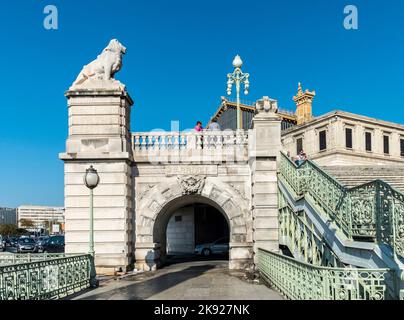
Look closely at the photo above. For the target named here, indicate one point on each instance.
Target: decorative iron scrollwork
(374, 210)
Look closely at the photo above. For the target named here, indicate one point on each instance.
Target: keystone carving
(191, 184)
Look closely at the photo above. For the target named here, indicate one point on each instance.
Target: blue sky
(179, 53)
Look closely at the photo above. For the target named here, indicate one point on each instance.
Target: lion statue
(105, 66)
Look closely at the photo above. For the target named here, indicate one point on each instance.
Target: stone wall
(99, 136)
(181, 232)
(264, 152)
(226, 187)
(112, 213)
(136, 198)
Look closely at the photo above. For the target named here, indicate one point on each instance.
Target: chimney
(304, 102)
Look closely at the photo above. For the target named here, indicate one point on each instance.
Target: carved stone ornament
(100, 72)
(266, 105)
(191, 184)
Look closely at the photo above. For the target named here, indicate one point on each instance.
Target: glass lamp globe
(237, 62)
(91, 178)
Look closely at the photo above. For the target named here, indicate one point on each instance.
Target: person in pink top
(198, 127)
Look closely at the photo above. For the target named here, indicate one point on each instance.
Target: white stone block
(106, 213)
(99, 201)
(265, 199)
(99, 225)
(266, 223)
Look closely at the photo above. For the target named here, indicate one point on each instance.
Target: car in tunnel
(220, 246)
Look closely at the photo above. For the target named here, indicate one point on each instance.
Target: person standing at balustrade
(198, 127)
(214, 126)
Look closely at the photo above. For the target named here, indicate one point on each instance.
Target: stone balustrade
(179, 147)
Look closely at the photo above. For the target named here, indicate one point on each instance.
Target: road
(196, 280)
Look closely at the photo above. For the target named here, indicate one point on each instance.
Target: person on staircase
(301, 158)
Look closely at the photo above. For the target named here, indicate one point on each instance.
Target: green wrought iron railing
(372, 211)
(298, 234)
(301, 281)
(52, 278)
(11, 258)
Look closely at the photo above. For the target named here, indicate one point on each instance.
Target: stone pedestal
(264, 150)
(99, 135)
(148, 256)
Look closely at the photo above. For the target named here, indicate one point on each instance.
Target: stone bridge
(146, 176)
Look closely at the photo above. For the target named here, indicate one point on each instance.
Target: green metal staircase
(330, 229)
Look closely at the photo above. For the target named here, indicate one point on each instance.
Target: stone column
(99, 135)
(264, 150)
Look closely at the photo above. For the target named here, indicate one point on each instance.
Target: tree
(22, 232)
(27, 223)
(8, 229)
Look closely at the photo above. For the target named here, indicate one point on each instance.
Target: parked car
(13, 241)
(7, 242)
(53, 244)
(26, 245)
(41, 239)
(2, 244)
(220, 246)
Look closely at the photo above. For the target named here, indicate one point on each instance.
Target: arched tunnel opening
(196, 232)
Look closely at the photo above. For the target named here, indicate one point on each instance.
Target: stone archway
(161, 222)
(155, 205)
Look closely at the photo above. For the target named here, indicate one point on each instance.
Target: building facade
(342, 138)
(41, 216)
(8, 216)
(146, 178)
(333, 139)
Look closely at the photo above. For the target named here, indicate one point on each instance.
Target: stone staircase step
(351, 176)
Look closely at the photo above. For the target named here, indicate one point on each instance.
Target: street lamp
(238, 77)
(91, 180)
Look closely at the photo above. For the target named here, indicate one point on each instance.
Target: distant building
(8, 216)
(40, 216)
(226, 115)
(337, 138)
(340, 138)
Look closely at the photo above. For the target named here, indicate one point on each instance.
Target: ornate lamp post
(91, 180)
(238, 77)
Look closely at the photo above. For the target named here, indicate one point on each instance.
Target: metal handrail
(52, 278)
(335, 181)
(348, 207)
(320, 267)
(15, 258)
(301, 281)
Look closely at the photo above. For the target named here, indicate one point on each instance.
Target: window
(368, 141)
(348, 138)
(178, 218)
(299, 145)
(402, 147)
(386, 144)
(323, 140)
